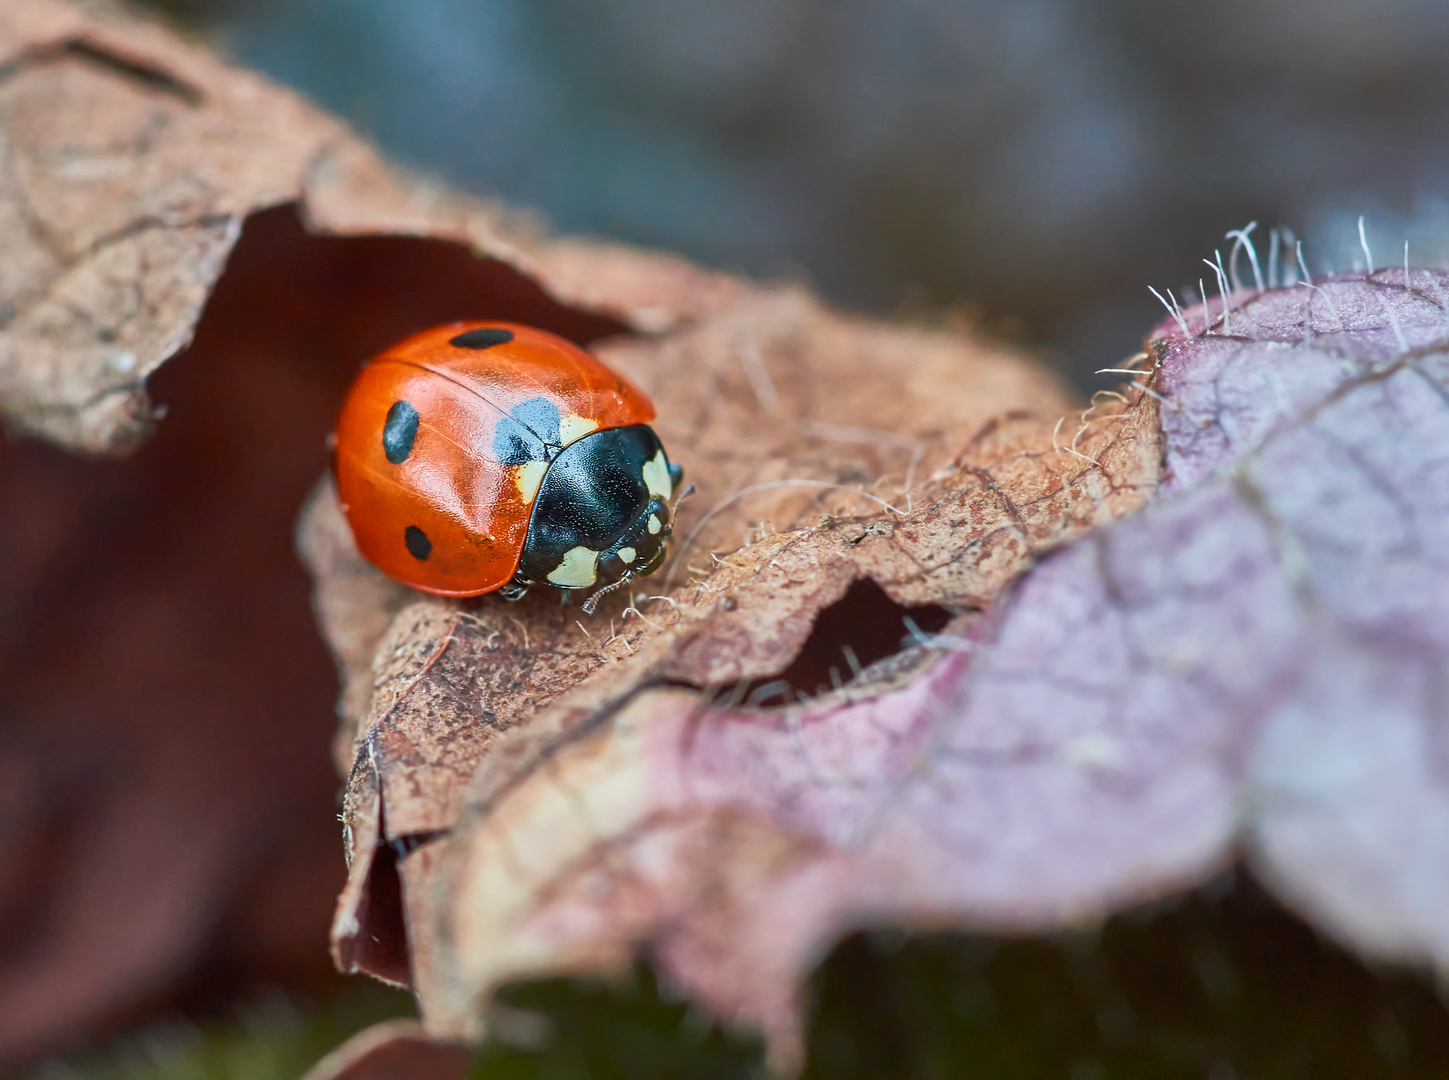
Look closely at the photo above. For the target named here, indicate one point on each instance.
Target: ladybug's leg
(598, 594)
(514, 590)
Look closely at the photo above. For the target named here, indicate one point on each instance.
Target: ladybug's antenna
(689, 489)
(593, 601)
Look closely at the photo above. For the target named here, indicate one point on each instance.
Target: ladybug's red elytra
(482, 457)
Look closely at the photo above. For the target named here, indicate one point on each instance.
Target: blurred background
(1034, 164)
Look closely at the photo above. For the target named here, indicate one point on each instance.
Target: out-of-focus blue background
(1036, 163)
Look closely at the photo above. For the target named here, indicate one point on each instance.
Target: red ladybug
(482, 456)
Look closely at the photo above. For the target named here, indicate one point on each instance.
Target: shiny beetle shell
(479, 456)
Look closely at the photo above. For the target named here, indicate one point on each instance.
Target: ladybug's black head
(602, 511)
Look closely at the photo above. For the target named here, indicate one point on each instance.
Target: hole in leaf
(861, 628)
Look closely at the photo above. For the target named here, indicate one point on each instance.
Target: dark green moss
(625, 1031)
(1220, 984)
(1208, 986)
(273, 1036)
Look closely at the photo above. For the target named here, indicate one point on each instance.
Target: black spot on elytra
(482, 339)
(399, 431)
(529, 434)
(419, 546)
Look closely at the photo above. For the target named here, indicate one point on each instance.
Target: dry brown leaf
(135, 162)
(1054, 714)
(164, 694)
(1251, 662)
(876, 474)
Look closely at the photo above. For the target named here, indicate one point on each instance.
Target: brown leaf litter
(902, 472)
(1247, 663)
(934, 646)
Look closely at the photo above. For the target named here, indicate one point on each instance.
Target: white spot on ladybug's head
(578, 570)
(657, 478)
(654, 525)
(528, 476)
(627, 555)
(574, 428)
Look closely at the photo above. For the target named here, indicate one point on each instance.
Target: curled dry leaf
(142, 181)
(131, 163)
(862, 489)
(1252, 661)
(1054, 695)
(164, 692)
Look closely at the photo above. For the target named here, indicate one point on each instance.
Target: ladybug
(481, 457)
